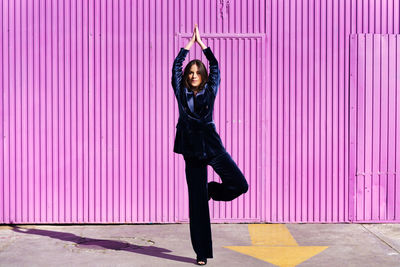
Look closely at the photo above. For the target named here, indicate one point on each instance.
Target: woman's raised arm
(177, 70)
(214, 78)
(177, 66)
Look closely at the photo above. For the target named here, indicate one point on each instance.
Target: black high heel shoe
(201, 261)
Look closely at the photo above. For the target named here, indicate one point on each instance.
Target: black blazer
(196, 135)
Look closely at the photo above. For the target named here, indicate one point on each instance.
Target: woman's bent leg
(233, 181)
(200, 228)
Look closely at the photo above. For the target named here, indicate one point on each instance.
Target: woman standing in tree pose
(200, 144)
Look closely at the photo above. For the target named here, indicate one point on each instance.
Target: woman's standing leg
(200, 228)
(233, 181)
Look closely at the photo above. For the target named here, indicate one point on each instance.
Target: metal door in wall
(238, 117)
(374, 128)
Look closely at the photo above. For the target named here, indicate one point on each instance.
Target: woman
(199, 143)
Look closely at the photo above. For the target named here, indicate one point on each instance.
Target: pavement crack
(381, 239)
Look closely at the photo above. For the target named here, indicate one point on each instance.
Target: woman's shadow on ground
(92, 243)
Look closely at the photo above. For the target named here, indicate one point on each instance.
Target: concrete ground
(169, 245)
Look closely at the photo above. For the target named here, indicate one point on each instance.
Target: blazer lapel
(188, 100)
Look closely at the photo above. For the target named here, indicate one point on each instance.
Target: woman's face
(194, 76)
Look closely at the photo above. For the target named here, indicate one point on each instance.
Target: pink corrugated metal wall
(88, 114)
(374, 127)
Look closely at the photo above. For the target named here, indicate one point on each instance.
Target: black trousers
(233, 185)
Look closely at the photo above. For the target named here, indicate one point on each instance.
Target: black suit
(197, 139)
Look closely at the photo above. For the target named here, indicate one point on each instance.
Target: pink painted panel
(374, 124)
(238, 120)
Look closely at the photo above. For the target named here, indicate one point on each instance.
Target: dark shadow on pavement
(92, 243)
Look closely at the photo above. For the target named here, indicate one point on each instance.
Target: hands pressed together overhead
(196, 34)
(195, 38)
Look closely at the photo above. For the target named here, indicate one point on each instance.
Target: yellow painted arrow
(273, 243)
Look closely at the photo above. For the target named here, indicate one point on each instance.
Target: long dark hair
(202, 70)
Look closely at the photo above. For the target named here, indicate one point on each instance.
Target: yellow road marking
(271, 235)
(274, 243)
